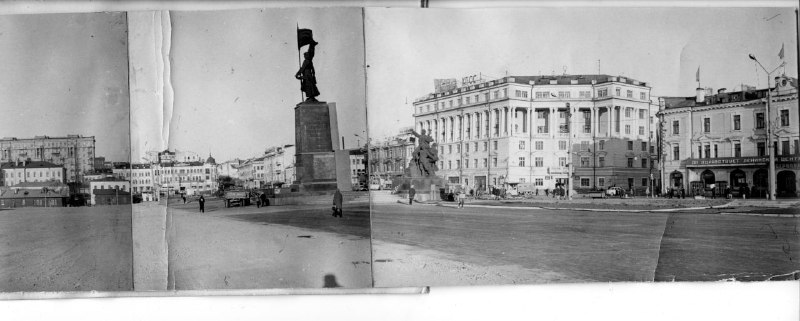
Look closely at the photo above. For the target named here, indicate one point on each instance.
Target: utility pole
(770, 147)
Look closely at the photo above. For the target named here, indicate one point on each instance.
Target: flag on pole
(304, 37)
(780, 54)
(697, 75)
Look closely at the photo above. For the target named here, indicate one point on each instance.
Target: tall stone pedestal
(316, 138)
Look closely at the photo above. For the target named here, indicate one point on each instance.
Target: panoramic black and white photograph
(542, 145)
(249, 147)
(65, 210)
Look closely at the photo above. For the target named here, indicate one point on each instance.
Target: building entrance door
(676, 178)
(480, 183)
(786, 184)
(759, 183)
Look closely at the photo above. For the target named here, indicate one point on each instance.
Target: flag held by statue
(304, 37)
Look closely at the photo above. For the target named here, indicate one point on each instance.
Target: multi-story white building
(721, 139)
(279, 165)
(229, 168)
(36, 171)
(521, 129)
(74, 152)
(389, 158)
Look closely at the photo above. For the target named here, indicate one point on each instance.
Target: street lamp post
(770, 148)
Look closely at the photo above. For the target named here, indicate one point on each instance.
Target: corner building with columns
(521, 129)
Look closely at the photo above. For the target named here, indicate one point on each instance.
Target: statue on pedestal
(306, 74)
(425, 156)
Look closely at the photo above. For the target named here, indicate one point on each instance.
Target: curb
(762, 214)
(594, 209)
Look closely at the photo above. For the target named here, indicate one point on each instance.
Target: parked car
(615, 192)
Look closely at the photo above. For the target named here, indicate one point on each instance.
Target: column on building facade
(610, 118)
(505, 121)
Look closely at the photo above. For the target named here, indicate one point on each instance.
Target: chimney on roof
(701, 95)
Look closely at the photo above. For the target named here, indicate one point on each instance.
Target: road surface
(66, 249)
(434, 245)
(268, 247)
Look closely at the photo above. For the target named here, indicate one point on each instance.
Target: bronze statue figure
(425, 156)
(306, 74)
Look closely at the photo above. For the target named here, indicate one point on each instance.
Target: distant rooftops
(540, 80)
(71, 136)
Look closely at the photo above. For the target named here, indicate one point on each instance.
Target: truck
(241, 197)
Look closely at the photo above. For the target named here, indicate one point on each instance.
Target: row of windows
(497, 94)
(760, 122)
(710, 150)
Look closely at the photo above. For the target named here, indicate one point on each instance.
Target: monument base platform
(427, 187)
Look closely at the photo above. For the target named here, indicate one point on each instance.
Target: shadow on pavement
(355, 220)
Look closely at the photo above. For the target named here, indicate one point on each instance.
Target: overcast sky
(233, 77)
(408, 48)
(66, 74)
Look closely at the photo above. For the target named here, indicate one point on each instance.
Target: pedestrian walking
(547, 192)
(683, 193)
(202, 202)
(183, 196)
(461, 196)
(337, 203)
(411, 193)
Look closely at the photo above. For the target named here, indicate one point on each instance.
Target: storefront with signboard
(737, 172)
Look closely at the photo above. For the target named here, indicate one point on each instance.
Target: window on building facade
(466, 147)
(630, 161)
(737, 122)
(785, 147)
(585, 182)
(644, 181)
(627, 129)
(584, 145)
(449, 149)
(585, 162)
(494, 145)
(585, 94)
(449, 164)
(521, 162)
(643, 96)
(505, 92)
(644, 162)
(676, 127)
(737, 149)
(629, 94)
(539, 145)
(538, 182)
(716, 151)
(496, 94)
(630, 145)
(468, 100)
(563, 94)
(522, 145)
(485, 146)
(602, 93)
(707, 149)
(707, 125)
(785, 117)
(601, 161)
(644, 146)
(601, 182)
(485, 163)
(641, 130)
(475, 163)
(539, 162)
(562, 162)
(617, 92)
(760, 120)
(601, 145)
